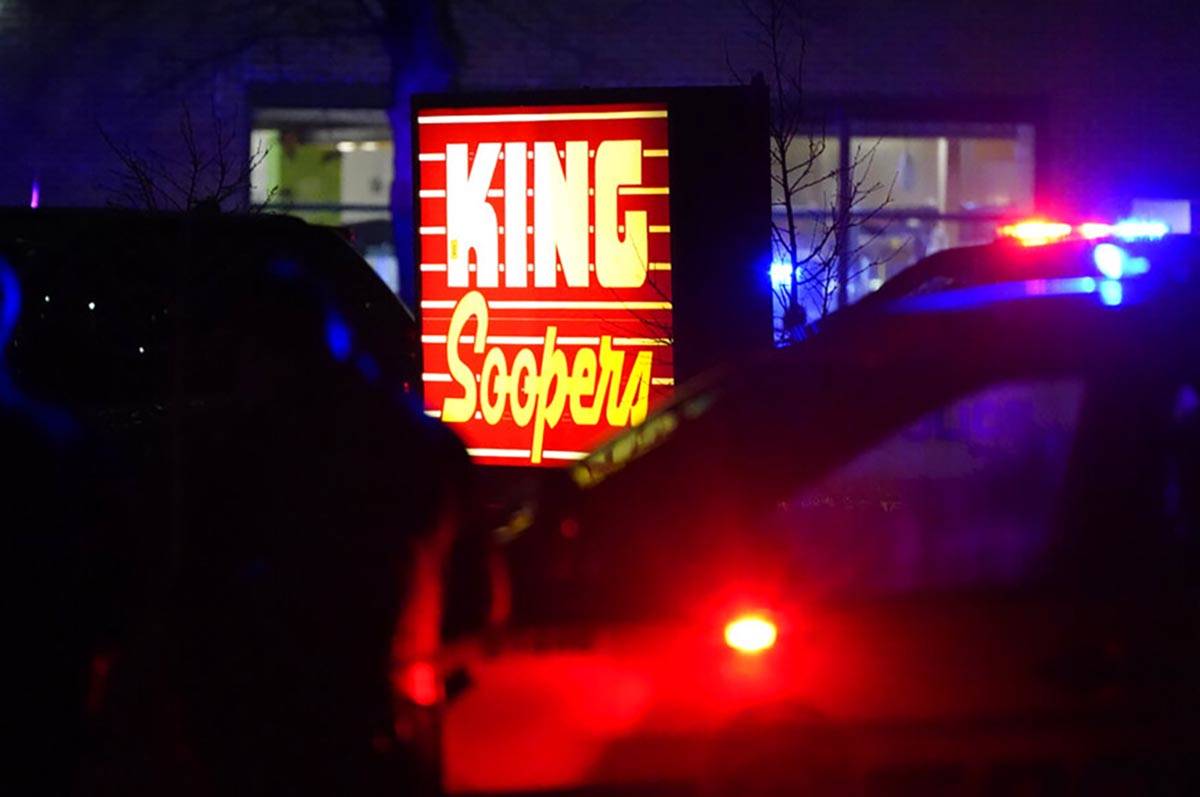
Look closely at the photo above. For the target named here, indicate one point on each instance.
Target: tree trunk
(421, 44)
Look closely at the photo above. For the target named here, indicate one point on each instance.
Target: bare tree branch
(204, 175)
(818, 248)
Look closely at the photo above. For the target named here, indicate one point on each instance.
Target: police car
(947, 544)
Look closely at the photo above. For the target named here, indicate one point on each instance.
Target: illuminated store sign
(545, 257)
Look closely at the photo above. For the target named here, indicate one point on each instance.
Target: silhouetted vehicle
(260, 594)
(947, 544)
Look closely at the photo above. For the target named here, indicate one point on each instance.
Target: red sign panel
(545, 257)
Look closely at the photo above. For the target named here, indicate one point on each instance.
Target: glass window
(965, 496)
(333, 167)
(813, 161)
(918, 189)
(949, 174)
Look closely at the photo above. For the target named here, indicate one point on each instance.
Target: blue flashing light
(1140, 229)
(1112, 292)
(781, 274)
(1116, 263)
(10, 302)
(1110, 260)
(337, 337)
(58, 424)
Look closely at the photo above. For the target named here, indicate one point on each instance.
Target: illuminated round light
(751, 633)
(91, 305)
(418, 682)
(781, 274)
(1110, 260)
(1116, 263)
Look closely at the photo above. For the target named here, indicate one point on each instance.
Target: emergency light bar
(1038, 232)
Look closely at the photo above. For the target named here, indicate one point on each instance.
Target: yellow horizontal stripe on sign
(523, 453)
(442, 338)
(428, 377)
(566, 116)
(564, 454)
(641, 342)
(432, 193)
(516, 340)
(642, 190)
(662, 380)
(442, 266)
(439, 231)
(432, 156)
(660, 266)
(519, 453)
(448, 304)
(660, 228)
(655, 153)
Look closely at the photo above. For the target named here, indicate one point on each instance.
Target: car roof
(1006, 261)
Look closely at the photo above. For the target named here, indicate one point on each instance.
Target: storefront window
(332, 167)
(812, 160)
(914, 190)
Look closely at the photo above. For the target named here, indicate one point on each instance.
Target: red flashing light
(1036, 232)
(751, 633)
(419, 683)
